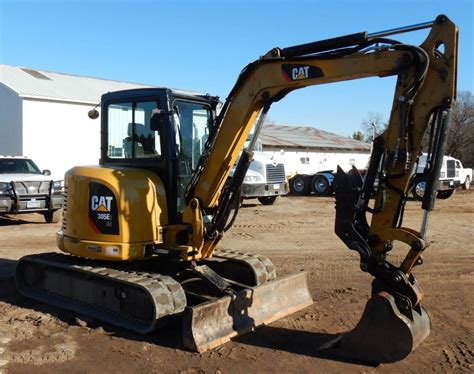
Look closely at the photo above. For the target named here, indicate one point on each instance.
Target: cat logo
(300, 73)
(101, 203)
(296, 72)
(103, 217)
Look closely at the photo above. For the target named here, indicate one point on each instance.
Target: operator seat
(143, 141)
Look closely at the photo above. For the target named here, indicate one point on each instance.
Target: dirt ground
(297, 234)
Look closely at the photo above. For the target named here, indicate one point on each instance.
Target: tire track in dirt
(34, 338)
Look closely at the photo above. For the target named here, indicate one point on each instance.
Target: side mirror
(158, 119)
(46, 172)
(93, 114)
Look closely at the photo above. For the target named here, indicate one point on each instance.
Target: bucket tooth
(383, 334)
(211, 324)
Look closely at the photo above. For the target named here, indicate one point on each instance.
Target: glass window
(192, 125)
(129, 132)
(258, 147)
(12, 165)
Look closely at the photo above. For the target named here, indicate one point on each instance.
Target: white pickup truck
(26, 189)
(463, 175)
(453, 175)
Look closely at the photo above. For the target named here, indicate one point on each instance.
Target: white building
(307, 150)
(43, 115)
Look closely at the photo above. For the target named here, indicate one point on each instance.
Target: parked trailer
(313, 172)
(453, 175)
(319, 183)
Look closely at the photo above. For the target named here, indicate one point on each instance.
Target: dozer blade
(383, 334)
(211, 324)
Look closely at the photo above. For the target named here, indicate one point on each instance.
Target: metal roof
(48, 85)
(309, 138)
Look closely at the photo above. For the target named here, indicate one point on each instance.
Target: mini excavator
(141, 230)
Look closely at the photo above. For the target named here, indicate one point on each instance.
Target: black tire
(446, 194)
(52, 216)
(267, 200)
(320, 185)
(299, 185)
(467, 183)
(418, 190)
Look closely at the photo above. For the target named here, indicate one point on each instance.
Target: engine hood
(9, 177)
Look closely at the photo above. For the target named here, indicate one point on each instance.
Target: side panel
(112, 213)
(11, 142)
(311, 162)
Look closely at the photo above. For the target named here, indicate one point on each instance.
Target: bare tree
(373, 119)
(460, 142)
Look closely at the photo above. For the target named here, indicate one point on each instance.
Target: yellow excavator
(141, 230)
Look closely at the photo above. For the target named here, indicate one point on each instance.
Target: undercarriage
(218, 298)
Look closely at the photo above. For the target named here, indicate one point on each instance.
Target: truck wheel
(299, 185)
(467, 183)
(446, 194)
(52, 216)
(418, 190)
(320, 185)
(267, 200)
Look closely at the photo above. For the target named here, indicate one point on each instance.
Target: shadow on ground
(169, 333)
(304, 343)
(15, 220)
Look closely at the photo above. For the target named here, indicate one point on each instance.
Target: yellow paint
(141, 209)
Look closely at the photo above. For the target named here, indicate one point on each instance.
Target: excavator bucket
(383, 334)
(211, 324)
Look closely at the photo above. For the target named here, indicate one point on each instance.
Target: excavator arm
(425, 89)
(424, 93)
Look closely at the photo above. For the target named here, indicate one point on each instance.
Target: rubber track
(263, 268)
(167, 294)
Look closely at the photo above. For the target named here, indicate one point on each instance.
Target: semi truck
(265, 179)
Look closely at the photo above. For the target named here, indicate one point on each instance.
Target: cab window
(192, 122)
(129, 132)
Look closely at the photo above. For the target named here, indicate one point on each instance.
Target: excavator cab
(160, 130)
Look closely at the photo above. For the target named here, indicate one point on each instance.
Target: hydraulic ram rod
(348, 40)
(400, 30)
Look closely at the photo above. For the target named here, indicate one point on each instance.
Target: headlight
(5, 188)
(442, 174)
(58, 187)
(252, 178)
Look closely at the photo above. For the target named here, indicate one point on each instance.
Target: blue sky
(203, 45)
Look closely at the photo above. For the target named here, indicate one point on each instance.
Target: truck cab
(265, 179)
(24, 189)
(452, 176)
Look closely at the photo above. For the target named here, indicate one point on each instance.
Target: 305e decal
(103, 217)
